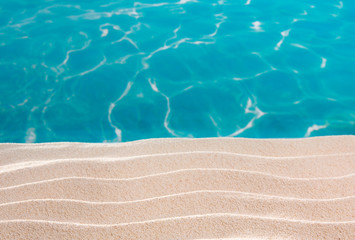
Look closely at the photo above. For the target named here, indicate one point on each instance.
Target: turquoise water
(98, 71)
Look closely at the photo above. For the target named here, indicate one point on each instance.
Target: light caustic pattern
(99, 71)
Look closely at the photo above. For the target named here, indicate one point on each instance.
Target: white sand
(215, 188)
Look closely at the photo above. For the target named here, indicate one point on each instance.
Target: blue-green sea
(108, 71)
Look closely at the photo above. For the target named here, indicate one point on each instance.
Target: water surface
(98, 71)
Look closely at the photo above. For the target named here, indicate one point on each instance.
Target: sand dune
(177, 205)
(97, 189)
(129, 167)
(189, 227)
(215, 188)
(13, 153)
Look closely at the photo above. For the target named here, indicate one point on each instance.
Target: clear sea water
(106, 71)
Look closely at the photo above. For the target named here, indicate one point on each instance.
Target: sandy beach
(213, 188)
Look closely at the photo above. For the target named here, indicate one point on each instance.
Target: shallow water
(99, 71)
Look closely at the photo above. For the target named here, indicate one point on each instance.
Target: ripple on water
(275, 90)
(140, 113)
(212, 111)
(338, 78)
(287, 124)
(170, 66)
